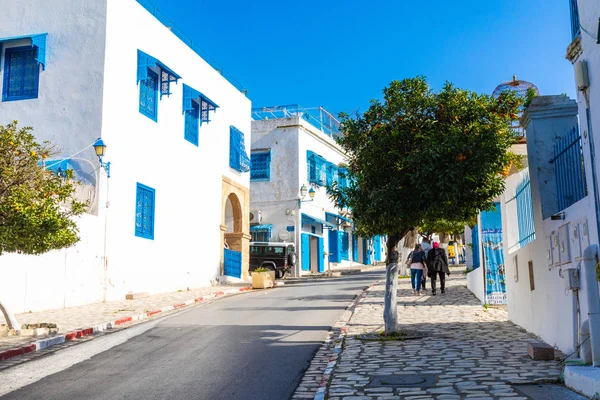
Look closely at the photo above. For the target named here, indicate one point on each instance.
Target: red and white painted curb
(79, 333)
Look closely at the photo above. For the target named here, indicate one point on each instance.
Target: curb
(338, 343)
(79, 333)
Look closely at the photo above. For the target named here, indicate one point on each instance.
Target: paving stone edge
(79, 333)
(339, 330)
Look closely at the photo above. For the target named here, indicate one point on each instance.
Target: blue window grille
(575, 24)
(144, 212)
(193, 98)
(21, 74)
(191, 125)
(149, 95)
(260, 233)
(569, 169)
(238, 159)
(525, 212)
(167, 75)
(260, 166)
(317, 168)
(345, 251)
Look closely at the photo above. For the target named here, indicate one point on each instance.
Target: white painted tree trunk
(390, 307)
(9, 317)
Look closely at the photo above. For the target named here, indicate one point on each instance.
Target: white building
(295, 148)
(174, 126)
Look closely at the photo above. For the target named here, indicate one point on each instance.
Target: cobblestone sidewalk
(469, 352)
(73, 318)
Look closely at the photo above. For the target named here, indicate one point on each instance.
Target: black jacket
(437, 261)
(418, 257)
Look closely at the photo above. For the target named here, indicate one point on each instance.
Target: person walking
(437, 264)
(426, 244)
(417, 267)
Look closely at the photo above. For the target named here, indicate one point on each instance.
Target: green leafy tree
(419, 157)
(36, 206)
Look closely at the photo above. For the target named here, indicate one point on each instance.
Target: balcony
(316, 116)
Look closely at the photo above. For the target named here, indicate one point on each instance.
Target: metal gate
(233, 263)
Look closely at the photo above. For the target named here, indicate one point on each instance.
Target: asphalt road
(249, 346)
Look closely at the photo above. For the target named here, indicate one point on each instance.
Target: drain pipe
(593, 298)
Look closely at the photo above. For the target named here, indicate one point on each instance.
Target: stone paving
(72, 318)
(471, 352)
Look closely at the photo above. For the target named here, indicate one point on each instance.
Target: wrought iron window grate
(238, 159)
(569, 169)
(144, 212)
(149, 95)
(192, 125)
(21, 74)
(525, 219)
(261, 235)
(260, 168)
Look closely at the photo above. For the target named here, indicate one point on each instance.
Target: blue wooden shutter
(334, 246)
(305, 252)
(320, 253)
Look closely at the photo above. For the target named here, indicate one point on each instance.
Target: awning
(338, 217)
(308, 219)
(263, 227)
(167, 76)
(190, 94)
(38, 40)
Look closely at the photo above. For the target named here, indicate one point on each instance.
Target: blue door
(377, 247)
(320, 253)
(334, 247)
(365, 252)
(232, 263)
(305, 252)
(354, 247)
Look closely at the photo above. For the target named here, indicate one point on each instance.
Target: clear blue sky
(341, 53)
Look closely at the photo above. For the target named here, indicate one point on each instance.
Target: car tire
(291, 259)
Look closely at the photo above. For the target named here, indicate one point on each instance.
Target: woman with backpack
(418, 265)
(437, 262)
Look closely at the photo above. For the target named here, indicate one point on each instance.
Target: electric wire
(576, 350)
(67, 158)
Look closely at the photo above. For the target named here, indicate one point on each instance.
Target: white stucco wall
(186, 248)
(68, 113)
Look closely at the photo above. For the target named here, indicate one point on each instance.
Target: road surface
(249, 346)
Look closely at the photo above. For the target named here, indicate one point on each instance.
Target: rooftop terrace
(316, 116)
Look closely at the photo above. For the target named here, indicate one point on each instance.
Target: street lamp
(303, 191)
(100, 149)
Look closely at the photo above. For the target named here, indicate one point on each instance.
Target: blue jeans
(416, 275)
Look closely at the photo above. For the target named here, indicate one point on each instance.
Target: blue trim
(320, 255)
(144, 211)
(144, 86)
(38, 41)
(525, 219)
(204, 104)
(10, 70)
(238, 159)
(167, 75)
(191, 125)
(310, 220)
(260, 227)
(260, 166)
(338, 217)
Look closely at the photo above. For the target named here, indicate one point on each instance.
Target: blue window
(569, 169)
(191, 124)
(525, 219)
(21, 74)
(575, 24)
(332, 173)
(238, 159)
(261, 233)
(149, 95)
(260, 166)
(317, 168)
(144, 212)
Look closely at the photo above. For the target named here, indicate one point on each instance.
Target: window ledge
(574, 50)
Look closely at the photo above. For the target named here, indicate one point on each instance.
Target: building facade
(174, 129)
(294, 159)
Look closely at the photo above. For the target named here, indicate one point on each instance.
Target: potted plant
(263, 278)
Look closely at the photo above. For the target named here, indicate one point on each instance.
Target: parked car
(278, 257)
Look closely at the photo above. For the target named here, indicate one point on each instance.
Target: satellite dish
(284, 235)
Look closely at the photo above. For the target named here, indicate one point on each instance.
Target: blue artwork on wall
(495, 273)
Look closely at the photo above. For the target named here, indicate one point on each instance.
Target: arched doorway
(234, 229)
